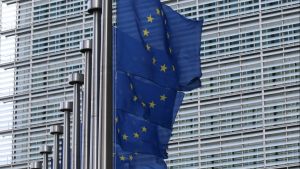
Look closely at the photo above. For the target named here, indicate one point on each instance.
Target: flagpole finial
(66, 107)
(94, 5)
(45, 149)
(56, 129)
(86, 45)
(36, 165)
(76, 78)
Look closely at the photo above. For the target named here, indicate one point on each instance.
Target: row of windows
(250, 152)
(250, 44)
(221, 9)
(47, 12)
(218, 111)
(236, 124)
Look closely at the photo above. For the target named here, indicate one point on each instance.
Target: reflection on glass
(8, 16)
(5, 149)
(7, 49)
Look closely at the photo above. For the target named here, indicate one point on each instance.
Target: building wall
(47, 37)
(7, 52)
(246, 115)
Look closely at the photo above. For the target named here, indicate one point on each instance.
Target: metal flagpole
(67, 108)
(45, 151)
(56, 130)
(76, 79)
(95, 8)
(36, 165)
(86, 49)
(105, 127)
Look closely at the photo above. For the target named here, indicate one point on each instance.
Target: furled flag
(157, 56)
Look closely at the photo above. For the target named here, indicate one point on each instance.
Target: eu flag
(157, 58)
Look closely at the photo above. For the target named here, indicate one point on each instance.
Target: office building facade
(246, 115)
(46, 36)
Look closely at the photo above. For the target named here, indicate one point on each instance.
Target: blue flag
(157, 56)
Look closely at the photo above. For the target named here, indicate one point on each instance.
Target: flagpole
(86, 49)
(36, 165)
(45, 151)
(67, 108)
(56, 130)
(94, 7)
(106, 127)
(76, 79)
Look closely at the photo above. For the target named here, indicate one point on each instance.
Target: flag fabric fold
(157, 56)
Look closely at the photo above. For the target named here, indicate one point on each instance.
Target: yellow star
(163, 97)
(153, 60)
(152, 104)
(122, 158)
(144, 129)
(163, 68)
(157, 11)
(173, 68)
(148, 47)
(125, 137)
(136, 135)
(143, 104)
(146, 32)
(150, 19)
(116, 119)
(135, 98)
(170, 50)
(168, 35)
(130, 157)
(131, 86)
